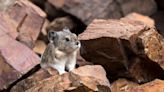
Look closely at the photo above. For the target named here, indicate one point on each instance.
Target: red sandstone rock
(16, 60)
(29, 19)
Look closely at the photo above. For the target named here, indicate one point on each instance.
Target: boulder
(59, 23)
(142, 70)
(154, 86)
(85, 10)
(103, 39)
(122, 85)
(145, 7)
(32, 80)
(16, 60)
(39, 47)
(115, 42)
(29, 21)
(139, 17)
(83, 79)
(8, 26)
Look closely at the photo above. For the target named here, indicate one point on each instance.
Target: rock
(7, 74)
(39, 47)
(159, 22)
(102, 39)
(85, 10)
(114, 42)
(43, 33)
(59, 23)
(138, 17)
(5, 5)
(16, 60)
(142, 70)
(152, 46)
(122, 85)
(81, 61)
(39, 3)
(32, 80)
(146, 7)
(154, 86)
(8, 26)
(53, 12)
(29, 19)
(84, 79)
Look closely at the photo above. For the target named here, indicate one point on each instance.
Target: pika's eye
(67, 39)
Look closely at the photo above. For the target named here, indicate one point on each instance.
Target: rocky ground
(122, 45)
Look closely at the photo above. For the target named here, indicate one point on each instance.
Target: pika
(61, 51)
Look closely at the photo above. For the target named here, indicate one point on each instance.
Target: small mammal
(61, 52)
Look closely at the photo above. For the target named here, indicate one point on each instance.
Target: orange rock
(138, 17)
(84, 79)
(113, 43)
(102, 43)
(154, 86)
(122, 85)
(39, 47)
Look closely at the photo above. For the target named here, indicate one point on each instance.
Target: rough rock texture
(138, 17)
(53, 12)
(142, 70)
(29, 19)
(83, 79)
(154, 86)
(39, 47)
(152, 46)
(81, 61)
(59, 23)
(6, 4)
(101, 39)
(8, 26)
(85, 9)
(33, 80)
(122, 85)
(146, 7)
(12, 66)
(115, 42)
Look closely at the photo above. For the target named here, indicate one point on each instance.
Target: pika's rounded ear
(52, 36)
(66, 29)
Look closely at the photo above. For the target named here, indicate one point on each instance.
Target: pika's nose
(77, 43)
